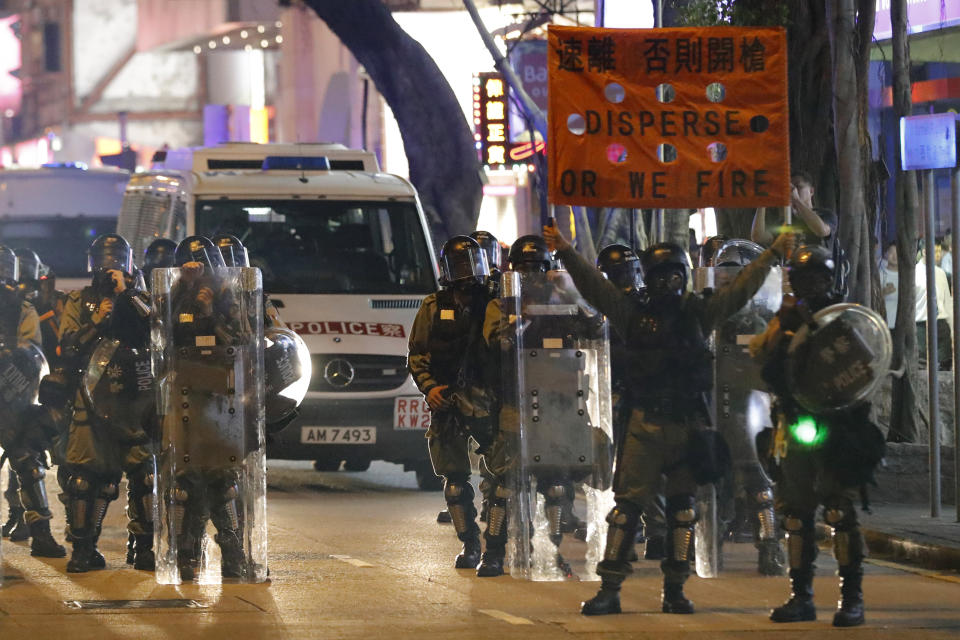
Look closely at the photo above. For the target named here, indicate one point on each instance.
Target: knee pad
(625, 515)
(556, 493)
(763, 498)
(80, 486)
(681, 511)
(841, 514)
(457, 492)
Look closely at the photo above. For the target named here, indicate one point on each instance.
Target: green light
(807, 432)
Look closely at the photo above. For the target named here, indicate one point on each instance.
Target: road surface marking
(927, 573)
(506, 617)
(352, 561)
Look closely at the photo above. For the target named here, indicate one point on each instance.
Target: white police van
(346, 258)
(57, 210)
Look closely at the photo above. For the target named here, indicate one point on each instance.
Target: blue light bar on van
(65, 165)
(296, 163)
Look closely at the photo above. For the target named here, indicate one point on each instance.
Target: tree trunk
(848, 127)
(437, 139)
(904, 416)
(735, 223)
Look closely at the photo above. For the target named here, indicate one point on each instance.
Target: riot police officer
(99, 452)
(491, 247)
(205, 309)
(529, 257)
(666, 336)
(23, 443)
(621, 265)
(814, 468)
(449, 364)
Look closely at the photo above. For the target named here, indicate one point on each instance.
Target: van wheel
(326, 465)
(356, 465)
(427, 480)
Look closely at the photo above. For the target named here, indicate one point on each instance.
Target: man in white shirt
(889, 285)
(944, 315)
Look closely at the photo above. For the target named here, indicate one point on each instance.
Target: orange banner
(668, 118)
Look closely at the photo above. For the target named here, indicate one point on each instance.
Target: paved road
(359, 555)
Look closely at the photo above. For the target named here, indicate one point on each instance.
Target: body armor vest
(669, 358)
(456, 332)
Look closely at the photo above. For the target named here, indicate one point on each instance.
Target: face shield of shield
(287, 370)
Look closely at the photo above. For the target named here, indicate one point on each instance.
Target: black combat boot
(491, 563)
(143, 558)
(469, 557)
(673, 599)
(83, 558)
(43, 545)
(233, 560)
(800, 607)
(606, 601)
(770, 560)
(850, 608)
(186, 564)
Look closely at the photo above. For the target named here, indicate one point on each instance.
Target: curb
(900, 549)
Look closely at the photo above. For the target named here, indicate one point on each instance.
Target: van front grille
(395, 304)
(357, 372)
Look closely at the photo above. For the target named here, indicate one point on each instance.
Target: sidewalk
(907, 533)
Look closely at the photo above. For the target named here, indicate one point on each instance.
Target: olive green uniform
(446, 348)
(670, 371)
(96, 454)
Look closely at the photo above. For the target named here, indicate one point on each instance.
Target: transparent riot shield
(840, 360)
(737, 380)
(557, 407)
(207, 344)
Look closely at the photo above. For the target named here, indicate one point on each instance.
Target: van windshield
(310, 246)
(60, 242)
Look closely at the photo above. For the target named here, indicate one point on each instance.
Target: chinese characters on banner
(491, 115)
(668, 118)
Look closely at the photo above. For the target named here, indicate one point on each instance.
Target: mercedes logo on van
(339, 373)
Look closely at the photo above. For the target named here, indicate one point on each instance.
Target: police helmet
(737, 253)
(198, 249)
(621, 265)
(664, 257)
(711, 246)
(159, 255)
(233, 252)
(530, 252)
(491, 246)
(29, 265)
(110, 251)
(9, 266)
(462, 259)
(811, 258)
(811, 271)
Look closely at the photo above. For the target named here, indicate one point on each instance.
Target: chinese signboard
(491, 115)
(668, 118)
(929, 141)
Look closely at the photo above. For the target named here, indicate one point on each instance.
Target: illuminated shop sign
(491, 107)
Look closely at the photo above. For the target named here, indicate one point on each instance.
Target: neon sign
(491, 108)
